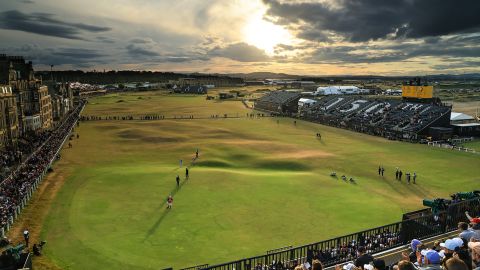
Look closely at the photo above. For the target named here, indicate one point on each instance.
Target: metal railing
(196, 267)
(278, 249)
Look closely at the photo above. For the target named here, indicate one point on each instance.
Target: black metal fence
(344, 248)
(197, 267)
(279, 249)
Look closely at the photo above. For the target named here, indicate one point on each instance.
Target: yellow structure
(417, 91)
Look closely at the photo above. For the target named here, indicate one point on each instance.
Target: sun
(265, 35)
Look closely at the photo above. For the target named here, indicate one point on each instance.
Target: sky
(305, 37)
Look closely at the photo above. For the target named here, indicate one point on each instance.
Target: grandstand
(279, 102)
(393, 119)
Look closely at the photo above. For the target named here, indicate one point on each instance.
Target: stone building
(62, 99)
(32, 98)
(44, 103)
(9, 129)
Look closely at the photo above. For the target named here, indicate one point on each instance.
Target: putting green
(257, 185)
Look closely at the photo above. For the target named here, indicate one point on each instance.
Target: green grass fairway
(473, 145)
(258, 185)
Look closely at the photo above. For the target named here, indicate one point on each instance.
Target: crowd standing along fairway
(258, 184)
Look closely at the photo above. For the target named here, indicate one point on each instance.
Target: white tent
(456, 116)
(338, 90)
(306, 101)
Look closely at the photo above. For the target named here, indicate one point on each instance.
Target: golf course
(259, 183)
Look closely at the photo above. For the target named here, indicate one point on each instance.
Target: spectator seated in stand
(36, 250)
(474, 248)
(4, 242)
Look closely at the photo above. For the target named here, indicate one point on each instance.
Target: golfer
(169, 202)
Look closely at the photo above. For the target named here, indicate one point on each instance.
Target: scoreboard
(417, 91)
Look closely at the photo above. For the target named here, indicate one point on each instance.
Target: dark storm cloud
(147, 50)
(241, 52)
(141, 40)
(362, 20)
(45, 24)
(59, 56)
(76, 53)
(142, 48)
(71, 56)
(456, 65)
(392, 53)
(313, 34)
(105, 40)
(137, 50)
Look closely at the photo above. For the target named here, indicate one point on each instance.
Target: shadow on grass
(321, 141)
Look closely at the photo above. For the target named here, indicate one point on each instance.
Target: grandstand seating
(283, 102)
(388, 118)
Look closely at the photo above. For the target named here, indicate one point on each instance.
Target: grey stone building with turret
(27, 97)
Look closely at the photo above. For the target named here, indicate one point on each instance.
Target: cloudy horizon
(323, 37)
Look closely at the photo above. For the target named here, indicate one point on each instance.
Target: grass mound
(281, 165)
(147, 138)
(213, 164)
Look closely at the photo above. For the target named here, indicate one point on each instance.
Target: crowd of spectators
(162, 117)
(364, 244)
(7, 160)
(25, 146)
(16, 186)
(459, 253)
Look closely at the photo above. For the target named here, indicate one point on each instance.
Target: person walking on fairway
(178, 181)
(26, 236)
(196, 153)
(186, 173)
(169, 202)
(414, 177)
(181, 162)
